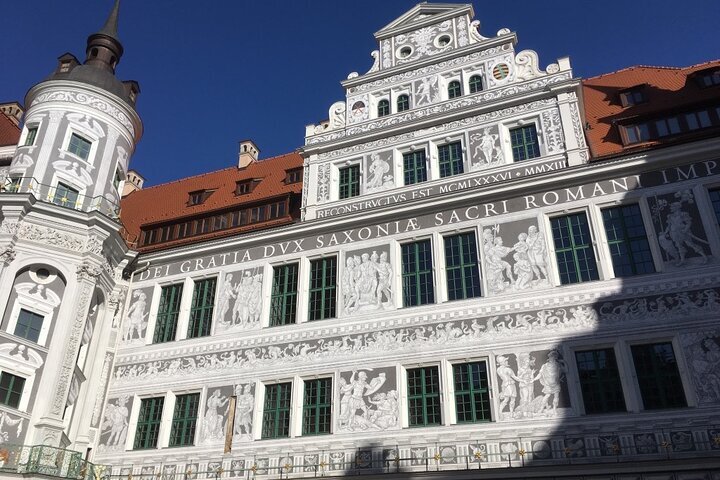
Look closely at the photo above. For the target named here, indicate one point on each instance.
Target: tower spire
(104, 48)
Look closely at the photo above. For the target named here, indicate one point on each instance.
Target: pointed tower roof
(110, 28)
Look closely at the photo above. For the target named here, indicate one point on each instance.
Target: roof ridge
(656, 67)
(213, 172)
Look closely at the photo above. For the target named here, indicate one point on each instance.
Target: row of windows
(454, 90)
(523, 140)
(672, 125)
(656, 371)
(626, 237)
(245, 216)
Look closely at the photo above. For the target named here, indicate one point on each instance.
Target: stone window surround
(92, 137)
(335, 177)
(32, 306)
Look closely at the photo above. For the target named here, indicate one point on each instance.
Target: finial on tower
(103, 48)
(111, 24)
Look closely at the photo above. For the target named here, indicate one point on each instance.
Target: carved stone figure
(226, 293)
(367, 283)
(550, 376)
(243, 299)
(487, 149)
(508, 385)
(703, 352)
(136, 317)
(676, 231)
(244, 407)
(116, 422)
(426, 91)
(379, 178)
(356, 414)
(213, 421)
(529, 267)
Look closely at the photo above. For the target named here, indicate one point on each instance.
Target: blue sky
(219, 71)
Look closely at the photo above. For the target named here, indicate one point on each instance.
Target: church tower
(61, 286)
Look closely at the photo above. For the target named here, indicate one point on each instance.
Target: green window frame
(201, 310)
(31, 135)
(323, 288)
(475, 84)
(424, 407)
(148, 424)
(417, 274)
(317, 407)
(715, 200)
(65, 195)
(461, 266)
(283, 300)
(29, 325)
(184, 422)
(658, 376)
(524, 142)
(574, 249)
(472, 392)
(79, 146)
(414, 167)
(349, 181)
(11, 389)
(383, 107)
(627, 240)
(276, 411)
(168, 313)
(600, 381)
(450, 159)
(454, 89)
(403, 103)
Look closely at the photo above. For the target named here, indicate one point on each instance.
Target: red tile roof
(9, 132)
(168, 202)
(667, 89)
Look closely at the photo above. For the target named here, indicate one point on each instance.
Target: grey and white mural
(11, 428)
(426, 91)
(380, 172)
(702, 350)
(239, 304)
(679, 229)
(244, 406)
(485, 150)
(136, 318)
(114, 427)
(522, 266)
(530, 389)
(368, 400)
(367, 281)
(215, 415)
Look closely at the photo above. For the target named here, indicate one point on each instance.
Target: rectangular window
(201, 311)
(637, 133)
(417, 274)
(283, 300)
(65, 195)
(294, 176)
(627, 241)
(424, 397)
(715, 200)
(524, 141)
(323, 285)
(148, 424)
(168, 313)
(472, 394)
(461, 266)
(414, 167)
(697, 120)
(184, 422)
(667, 126)
(574, 249)
(450, 158)
(11, 389)
(658, 376)
(708, 79)
(276, 411)
(600, 381)
(317, 408)
(79, 146)
(31, 135)
(349, 181)
(29, 325)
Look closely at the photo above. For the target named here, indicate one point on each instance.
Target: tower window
(11, 387)
(475, 84)
(709, 78)
(403, 103)
(79, 146)
(383, 108)
(94, 52)
(65, 195)
(29, 325)
(30, 136)
(454, 89)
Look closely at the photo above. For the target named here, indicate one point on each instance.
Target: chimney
(248, 153)
(133, 182)
(13, 111)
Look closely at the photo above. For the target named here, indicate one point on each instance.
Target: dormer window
(198, 197)
(293, 176)
(245, 186)
(454, 89)
(65, 67)
(708, 78)
(633, 96)
(403, 103)
(383, 108)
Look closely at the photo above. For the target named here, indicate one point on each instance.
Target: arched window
(383, 108)
(403, 103)
(476, 84)
(454, 89)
